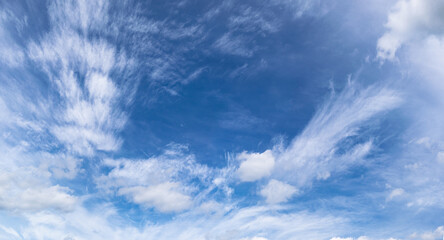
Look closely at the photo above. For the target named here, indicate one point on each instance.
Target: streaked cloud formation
(221, 120)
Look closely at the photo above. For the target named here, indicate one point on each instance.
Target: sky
(222, 120)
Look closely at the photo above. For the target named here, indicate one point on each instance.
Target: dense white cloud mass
(255, 166)
(166, 197)
(411, 20)
(277, 192)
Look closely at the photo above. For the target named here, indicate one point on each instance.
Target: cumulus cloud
(255, 166)
(418, 28)
(166, 197)
(410, 20)
(277, 192)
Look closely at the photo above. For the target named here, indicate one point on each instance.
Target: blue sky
(250, 120)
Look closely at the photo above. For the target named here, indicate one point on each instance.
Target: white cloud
(250, 20)
(300, 8)
(255, 166)
(25, 181)
(440, 157)
(10, 53)
(277, 192)
(79, 14)
(166, 197)
(244, 24)
(10, 232)
(254, 238)
(60, 165)
(415, 37)
(235, 45)
(418, 173)
(224, 223)
(162, 182)
(317, 152)
(410, 20)
(360, 238)
(397, 192)
(438, 234)
(36, 197)
(89, 115)
(424, 60)
(85, 141)
(173, 165)
(314, 153)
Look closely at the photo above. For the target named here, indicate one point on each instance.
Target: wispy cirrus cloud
(222, 223)
(414, 39)
(318, 152)
(164, 182)
(69, 89)
(10, 53)
(82, 70)
(299, 8)
(60, 103)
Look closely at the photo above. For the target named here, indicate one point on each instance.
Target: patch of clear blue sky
(241, 103)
